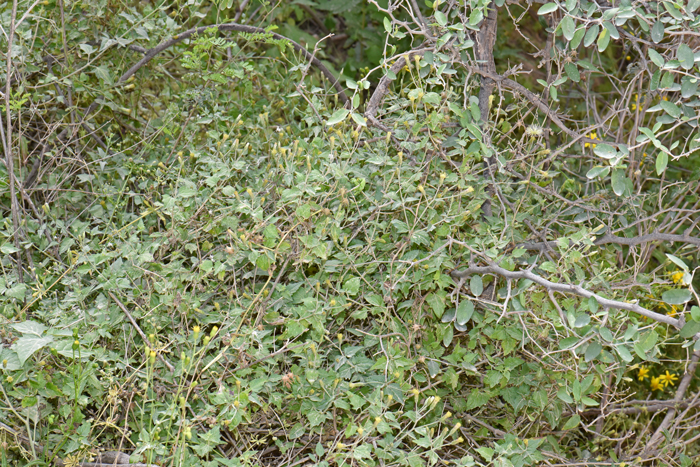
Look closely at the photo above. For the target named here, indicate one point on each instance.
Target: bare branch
(609, 238)
(567, 288)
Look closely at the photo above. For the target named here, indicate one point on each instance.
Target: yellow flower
(629, 57)
(643, 373)
(677, 277)
(592, 135)
(656, 384)
(668, 378)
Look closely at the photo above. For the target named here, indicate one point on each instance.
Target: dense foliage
(350, 233)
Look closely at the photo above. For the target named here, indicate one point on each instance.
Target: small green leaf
(605, 151)
(624, 353)
(476, 285)
(657, 32)
(676, 296)
(547, 8)
(591, 34)
(686, 56)
(603, 40)
(437, 303)
(598, 171)
(656, 58)
(440, 18)
(617, 180)
(690, 329)
(672, 109)
(572, 72)
(578, 37)
(593, 350)
(563, 395)
(568, 27)
(582, 319)
(571, 423)
(661, 162)
(337, 117)
(359, 119)
(678, 262)
(465, 312)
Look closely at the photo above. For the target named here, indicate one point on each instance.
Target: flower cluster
(657, 382)
(592, 135)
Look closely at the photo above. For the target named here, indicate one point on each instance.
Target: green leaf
(571, 423)
(597, 171)
(449, 316)
(563, 395)
(593, 350)
(605, 151)
(624, 353)
(547, 8)
(578, 37)
(661, 162)
(359, 119)
(686, 56)
(591, 34)
(437, 303)
(465, 312)
(593, 304)
(572, 72)
(690, 329)
(440, 18)
(8, 249)
(689, 87)
(617, 179)
(352, 285)
(477, 398)
(582, 319)
(263, 262)
(476, 285)
(603, 40)
(656, 58)
(568, 27)
(337, 117)
(672, 109)
(657, 32)
(695, 313)
(30, 327)
(676, 296)
(25, 346)
(303, 211)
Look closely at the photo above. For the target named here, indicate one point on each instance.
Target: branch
(151, 53)
(609, 238)
(383, 86)
(566, 288)
(138, 329)
(534, 99)
(658, 435)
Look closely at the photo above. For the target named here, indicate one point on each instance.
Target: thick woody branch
(609, 238)
(151, 53)
(567, 288)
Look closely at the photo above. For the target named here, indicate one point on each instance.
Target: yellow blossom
(668, 378)
(643, 373)
(677, 277)
(592, 135)
(656, 384)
